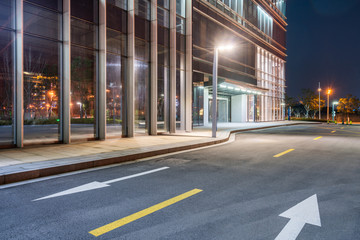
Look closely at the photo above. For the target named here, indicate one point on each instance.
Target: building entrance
(222, 111)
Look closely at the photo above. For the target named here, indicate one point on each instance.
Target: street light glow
(335, 103)
(225, 47)
(329, 91)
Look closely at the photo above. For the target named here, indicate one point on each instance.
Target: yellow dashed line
(123, 221)
(317, 138)
(283, 153)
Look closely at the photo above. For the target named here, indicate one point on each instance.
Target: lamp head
(225, 47)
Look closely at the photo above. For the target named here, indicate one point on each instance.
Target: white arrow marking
(305, 212)
(96, 185)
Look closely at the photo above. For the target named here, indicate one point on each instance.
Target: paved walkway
(38, 161)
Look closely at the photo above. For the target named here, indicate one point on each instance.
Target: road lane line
(123, 221)
(97, 185)
(333, 131)
(283, 153)
(317, 138)
(135, 175)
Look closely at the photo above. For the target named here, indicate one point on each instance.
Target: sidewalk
(40, 161)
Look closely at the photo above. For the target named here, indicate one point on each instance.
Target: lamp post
(214, 93)
(333, 110)
(319, 89)
(328, 96)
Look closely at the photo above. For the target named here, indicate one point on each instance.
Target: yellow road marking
(123, 221)
(283, 153)
(333, 131)
(317, 138)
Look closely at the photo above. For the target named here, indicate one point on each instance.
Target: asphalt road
(244, 190)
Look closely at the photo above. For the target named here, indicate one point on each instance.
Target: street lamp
(333, 110)
(215, 76)
(319, 89)
(328, 96)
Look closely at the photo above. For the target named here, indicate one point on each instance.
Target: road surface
(233, 191)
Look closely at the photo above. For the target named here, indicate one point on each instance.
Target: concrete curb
(44, 172)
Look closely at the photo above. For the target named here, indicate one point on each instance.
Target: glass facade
(163, 31)
(84, 51)
(65, 84)
(142, 64)
(271, 75)
(251, 83)
(116, 43)
(6, 71)
(42, 46)
(180, 64)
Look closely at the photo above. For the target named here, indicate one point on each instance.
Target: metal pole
(319, 102)
(333, 112)
(328, 107)
(214, 100)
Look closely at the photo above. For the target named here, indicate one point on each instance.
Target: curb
(45, 172)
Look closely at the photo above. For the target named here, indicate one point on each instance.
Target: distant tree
(310, 101)
(348, 105)
(290, 101)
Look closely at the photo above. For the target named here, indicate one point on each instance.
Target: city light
(225, 47)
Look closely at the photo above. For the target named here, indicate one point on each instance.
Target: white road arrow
(305, 212)
(96, 185)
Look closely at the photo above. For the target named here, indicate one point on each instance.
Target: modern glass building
(77, 70)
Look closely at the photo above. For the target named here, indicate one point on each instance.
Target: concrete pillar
(101, 83)
(19, 77)
(128, 128)
(172, 82)
(188, 81)
(66, 73)
(153, 69)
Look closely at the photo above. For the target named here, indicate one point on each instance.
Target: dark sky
(323, 42)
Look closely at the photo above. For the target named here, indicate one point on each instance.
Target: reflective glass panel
(85, 9)
(6, 10)
(83, 33)
(41, 89)
(141, 101)
(114, 94)
(6, 86)
(83, 81)
(40, 21)
(53, 4)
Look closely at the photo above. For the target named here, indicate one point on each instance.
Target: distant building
(95, 69)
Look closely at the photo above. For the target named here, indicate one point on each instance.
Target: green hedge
(309, 119)
(5, 122)
(82, 120)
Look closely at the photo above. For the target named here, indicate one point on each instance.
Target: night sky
(323, 42)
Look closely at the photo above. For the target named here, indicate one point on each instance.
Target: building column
(153, 69)
(19, 77)
(66, 74)
(101, 83)
(188, 74)
(172, 82)
(128, 127)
